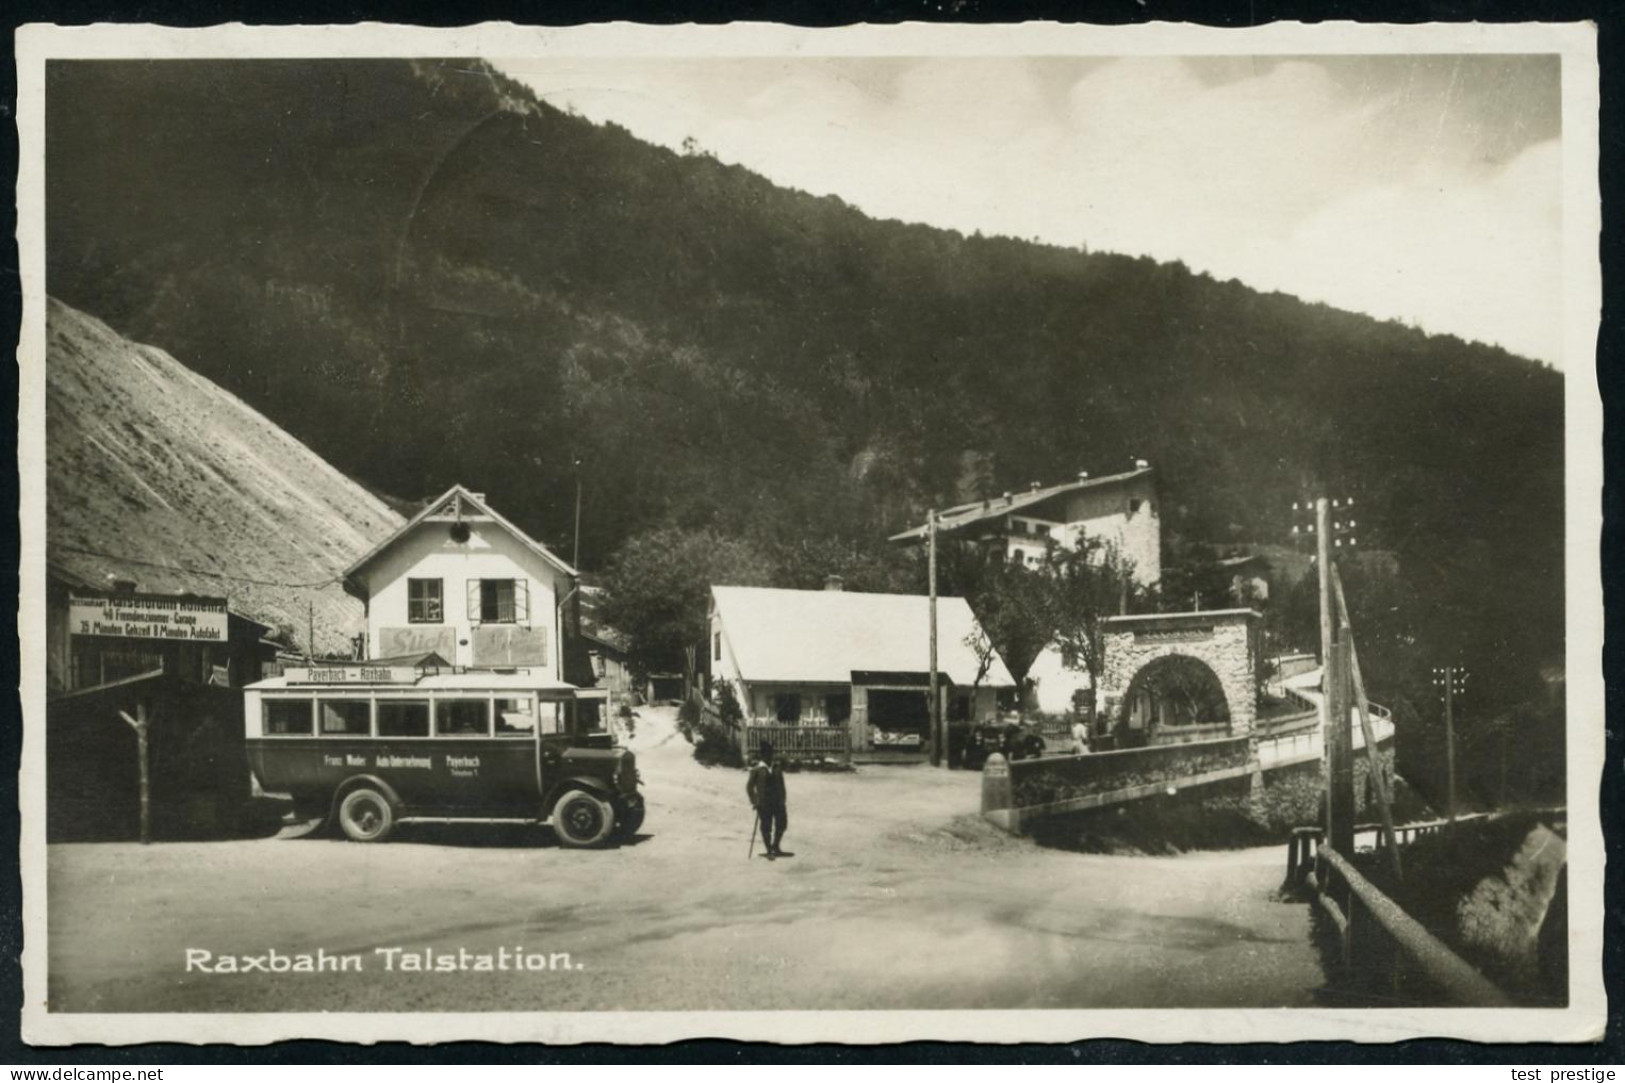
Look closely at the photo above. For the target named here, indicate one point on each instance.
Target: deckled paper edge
(1583, 1020)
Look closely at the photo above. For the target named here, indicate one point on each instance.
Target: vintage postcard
(983, 533)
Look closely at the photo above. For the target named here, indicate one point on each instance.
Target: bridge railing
(1357, 908)
(1018, 791)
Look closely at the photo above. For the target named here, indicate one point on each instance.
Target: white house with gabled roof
(833, 658)
(1119, 510)
(461, 581)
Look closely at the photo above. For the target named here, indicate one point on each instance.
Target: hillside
(157, 475)
(428, 276)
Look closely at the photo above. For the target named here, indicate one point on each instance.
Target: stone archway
(1174, 697)
(1223, 641)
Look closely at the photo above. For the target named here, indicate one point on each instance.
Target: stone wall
(1011, 789)
(1222, 640)
(1018, 794)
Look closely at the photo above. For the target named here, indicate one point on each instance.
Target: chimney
(1141, 464)
(1034, 486)
(1008, 499)
(123, 586)
(834, 582)
(1083, 475)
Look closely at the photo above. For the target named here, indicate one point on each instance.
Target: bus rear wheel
(581, 820)
(366, 815)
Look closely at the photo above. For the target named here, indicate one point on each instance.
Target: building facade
(856, 661)
(1120, 510)
(462, 582)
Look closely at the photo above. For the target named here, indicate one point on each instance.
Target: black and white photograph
(986, 533)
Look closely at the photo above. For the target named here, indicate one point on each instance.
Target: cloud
(1386, 189)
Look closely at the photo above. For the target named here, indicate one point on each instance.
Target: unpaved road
(898, 896)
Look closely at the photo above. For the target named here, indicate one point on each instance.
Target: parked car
(1012, 740)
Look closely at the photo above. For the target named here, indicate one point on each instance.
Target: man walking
(765, 788)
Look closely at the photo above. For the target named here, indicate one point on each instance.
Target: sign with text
(352, 674)
(148, 616)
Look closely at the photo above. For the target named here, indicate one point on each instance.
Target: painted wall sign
(148, 616)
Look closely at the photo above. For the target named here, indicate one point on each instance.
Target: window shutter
(473, 601)
(521, 601)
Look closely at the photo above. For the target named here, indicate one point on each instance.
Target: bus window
(462, 718)
(288, 717)
(552, 718)
(344, 717)
(516, 717)
(403, 718)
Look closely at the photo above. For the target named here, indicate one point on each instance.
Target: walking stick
(755, 822)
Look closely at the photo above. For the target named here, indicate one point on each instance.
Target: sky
(1425, 189)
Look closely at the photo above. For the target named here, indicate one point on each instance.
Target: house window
(1134, 505)
(839, 707)
(424, 601)
(1041, 529)
(498, 601)
(716, 646)
(787, 707)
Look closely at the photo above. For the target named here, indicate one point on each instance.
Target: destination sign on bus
(148, 616)
(352, 674)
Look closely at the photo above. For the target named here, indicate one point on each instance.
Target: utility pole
(1339, 740)
(1450, 740)
(575, 550)
(310, 630)
(1452, 680)
(1323, 560)
(939, 739)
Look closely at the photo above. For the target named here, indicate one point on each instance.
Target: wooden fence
(1358, 908)
(800, 742)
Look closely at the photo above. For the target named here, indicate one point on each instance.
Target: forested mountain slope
(430, 277)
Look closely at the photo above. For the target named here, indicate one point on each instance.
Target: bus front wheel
(366, 815)
(581, 820)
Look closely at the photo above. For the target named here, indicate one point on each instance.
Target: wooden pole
(1340, 754)
(141, 724)
(1323, 558)
(1328, 718)
(310, 629)
(1373, 757)
(1450, 741)
(938, 737)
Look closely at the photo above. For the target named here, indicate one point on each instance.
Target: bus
(374, 745)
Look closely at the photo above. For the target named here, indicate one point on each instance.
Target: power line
(199, 571)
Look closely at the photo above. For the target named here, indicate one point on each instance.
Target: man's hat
(765, 748)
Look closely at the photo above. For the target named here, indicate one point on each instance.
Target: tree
(1088, 584)
(657, 590)
(1013, 604)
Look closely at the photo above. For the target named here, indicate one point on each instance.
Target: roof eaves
(975, 512)
(433, 506)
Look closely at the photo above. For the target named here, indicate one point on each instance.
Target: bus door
(512, 761)
(553, 738)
